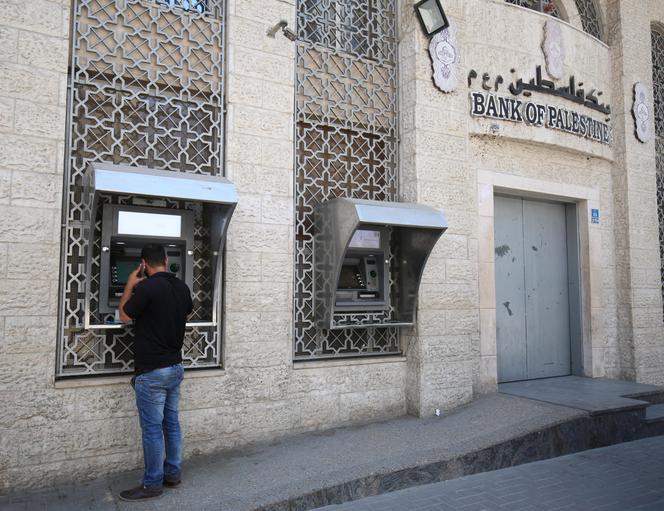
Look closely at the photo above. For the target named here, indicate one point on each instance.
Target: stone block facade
(73, 429)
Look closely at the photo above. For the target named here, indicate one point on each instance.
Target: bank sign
(531, 113)
(519, 108)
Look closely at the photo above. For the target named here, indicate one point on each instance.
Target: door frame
(586, 360)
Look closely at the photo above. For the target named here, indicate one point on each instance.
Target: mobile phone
(141, 271)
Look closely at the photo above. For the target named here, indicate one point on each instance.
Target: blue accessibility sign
(594, 215)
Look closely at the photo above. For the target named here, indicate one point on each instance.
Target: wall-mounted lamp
(283, 25)
(432, 17)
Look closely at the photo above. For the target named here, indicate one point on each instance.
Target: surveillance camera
(292, 36)
(283, 25)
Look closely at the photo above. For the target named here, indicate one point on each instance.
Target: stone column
(443, 350)
(640, 332)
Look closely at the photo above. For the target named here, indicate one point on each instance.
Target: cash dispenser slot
(359, 246)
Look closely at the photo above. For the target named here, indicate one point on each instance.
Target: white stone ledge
(75, 383)
(322, 364)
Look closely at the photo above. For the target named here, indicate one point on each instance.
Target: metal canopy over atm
(369, 258)
(127, 227)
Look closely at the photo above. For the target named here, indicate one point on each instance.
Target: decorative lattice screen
(547, 6)
(590, 20)
(658, 95)
(146, 88)
(588, 12)
(346, 144)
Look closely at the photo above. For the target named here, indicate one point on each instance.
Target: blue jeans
(157, 397)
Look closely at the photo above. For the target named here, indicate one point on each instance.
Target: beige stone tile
(42, 16)
(33, 261)
(461, 271)
(43, 51)
(277, 267)
(7, 107)
(487, 284)
(245, 90)
(277, 154)
(29, 83)
(24, 297)
(434, 271)
(248, 208)
(242, 148)
(27, 154)
(462, 322)
(277, 210)
(5, 186)
(486, 240)
(262, 122)
(259, 238)
(36, 189)
(27, 225)
(485, 199)
(8, 44)
(488, 332)
(3, 261)
(488, 375)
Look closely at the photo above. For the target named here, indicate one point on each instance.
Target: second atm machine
(369, 257)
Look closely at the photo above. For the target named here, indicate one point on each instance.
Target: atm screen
(149, 224)
(363, 238)
(351, 277)
(123, 268)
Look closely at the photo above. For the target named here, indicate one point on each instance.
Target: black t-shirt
(159, 307)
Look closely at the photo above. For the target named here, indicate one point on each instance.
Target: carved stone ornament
(445, 58)
(641, 113)
(554, 49)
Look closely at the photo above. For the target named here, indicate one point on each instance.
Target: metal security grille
(346, 146)
(589, 17)
(658, 95)
(545, 6)
(146, 88)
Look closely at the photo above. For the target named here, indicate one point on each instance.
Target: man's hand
(135, 277)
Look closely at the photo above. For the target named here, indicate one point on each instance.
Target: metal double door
(532, 289)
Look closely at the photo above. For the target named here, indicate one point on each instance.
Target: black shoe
(172, 481)
(140, 493)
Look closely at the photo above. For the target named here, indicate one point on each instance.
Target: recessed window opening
(199, 6)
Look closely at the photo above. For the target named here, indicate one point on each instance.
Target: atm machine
(125, 230)
(369, 257)
(157, 206)
(364, 276)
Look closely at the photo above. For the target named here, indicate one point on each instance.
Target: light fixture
(432, 17)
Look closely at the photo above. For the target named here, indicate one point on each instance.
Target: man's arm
(132, 281)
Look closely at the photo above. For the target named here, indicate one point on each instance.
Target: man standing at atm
(159, 304)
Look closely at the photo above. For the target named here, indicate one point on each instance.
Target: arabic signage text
(493, 106)
(574, 91)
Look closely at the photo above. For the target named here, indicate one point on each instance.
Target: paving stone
(610, 478)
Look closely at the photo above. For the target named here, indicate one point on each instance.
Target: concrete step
(654, 413)
(654, 398)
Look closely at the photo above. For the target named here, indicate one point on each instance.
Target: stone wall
(33, 96)
(53, 432)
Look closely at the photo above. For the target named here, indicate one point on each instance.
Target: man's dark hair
(154, 254)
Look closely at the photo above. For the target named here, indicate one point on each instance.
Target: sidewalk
(345, 461)
(627, 476)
